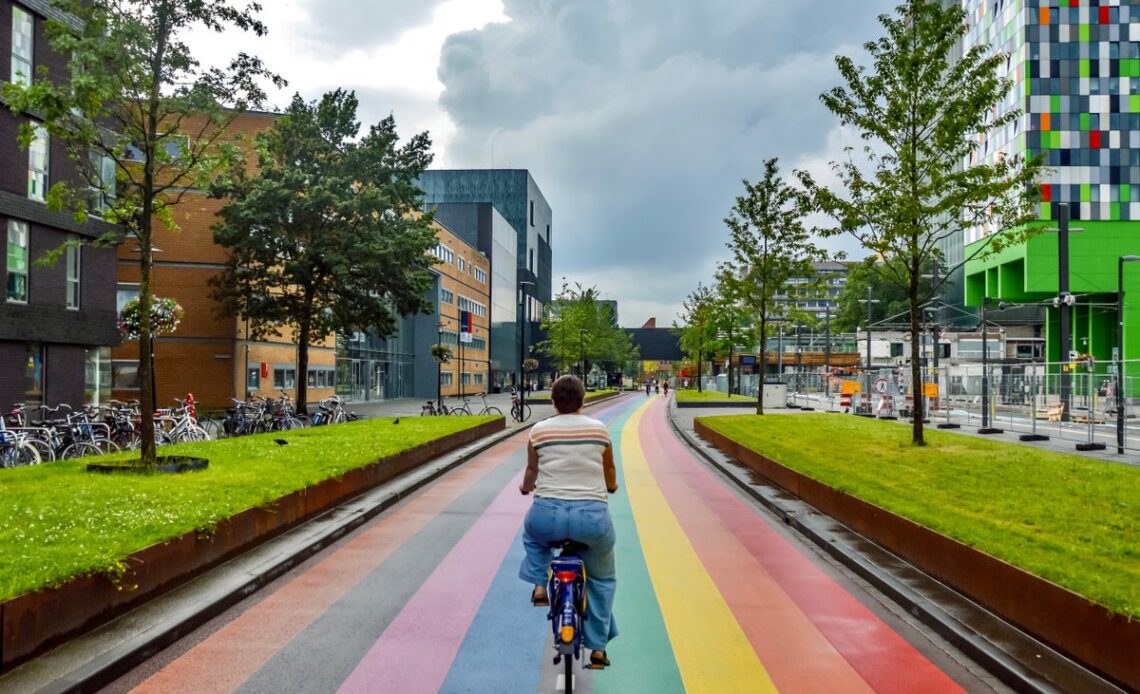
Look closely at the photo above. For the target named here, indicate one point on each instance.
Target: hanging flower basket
(530, 365)
(165, 315)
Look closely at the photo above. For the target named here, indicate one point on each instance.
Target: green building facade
(1076, 73)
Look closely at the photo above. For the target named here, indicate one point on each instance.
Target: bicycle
(461, 410)
(519, 412)
(488, 409)
(566, 588)
(15, 451)
(433, 408)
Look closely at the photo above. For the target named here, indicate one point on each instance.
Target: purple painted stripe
(417, 649)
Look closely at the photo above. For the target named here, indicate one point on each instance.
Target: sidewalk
(412, 407)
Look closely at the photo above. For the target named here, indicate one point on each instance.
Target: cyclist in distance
(570, 469)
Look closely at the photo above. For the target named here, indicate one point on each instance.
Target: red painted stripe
(884, 659)
(234, 653)
(417, 649)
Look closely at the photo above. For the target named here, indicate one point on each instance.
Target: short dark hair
(568, 394)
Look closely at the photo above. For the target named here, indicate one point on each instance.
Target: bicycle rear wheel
(18, 454)
(80, 449)
(494, 411)
(569, 660)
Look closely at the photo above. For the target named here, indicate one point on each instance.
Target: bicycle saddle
(569, 547)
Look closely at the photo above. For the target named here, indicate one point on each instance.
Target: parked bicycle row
(35, 434)
(520, 412)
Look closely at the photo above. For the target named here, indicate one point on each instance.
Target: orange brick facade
(465, 274)
(209, 354)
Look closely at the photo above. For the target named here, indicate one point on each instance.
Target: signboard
(465, 327)
(880, 385)
(748, 360)
(930, 390)
(850, 387)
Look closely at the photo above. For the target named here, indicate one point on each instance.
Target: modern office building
(832, 277)
(1076, 73)
(401, 365)
(210, 355)
(57, 322)
(504, 215)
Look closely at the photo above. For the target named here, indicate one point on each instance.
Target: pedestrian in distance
(666, 388)
(647, 386)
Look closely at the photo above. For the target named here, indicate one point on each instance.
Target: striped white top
(570, 448)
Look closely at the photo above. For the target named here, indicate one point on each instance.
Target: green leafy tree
(326, 236)
(923, 110)
(851, 314)
(770, 247)
(733, 321)
(142, 120)
(698, 328)
(579, 327)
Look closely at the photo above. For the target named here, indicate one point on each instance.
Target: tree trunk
(146, 343)
(700, 367)
(916, 367)
(761, 365)
(303, 367)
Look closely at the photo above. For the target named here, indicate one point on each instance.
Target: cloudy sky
(637, 118)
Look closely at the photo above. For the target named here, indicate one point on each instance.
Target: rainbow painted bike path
(713, 596)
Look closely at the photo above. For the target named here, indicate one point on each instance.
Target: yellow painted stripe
(710, 647)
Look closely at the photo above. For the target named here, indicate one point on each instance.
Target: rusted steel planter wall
(1103, 640)
(35, 622)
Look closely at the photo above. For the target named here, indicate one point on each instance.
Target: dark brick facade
(65, 334)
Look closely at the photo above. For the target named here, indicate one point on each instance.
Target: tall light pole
(827, 351)
(523, 284)
(869, 301)
(1120, 348)
(582, 354)
(439, 364)
(986, 428)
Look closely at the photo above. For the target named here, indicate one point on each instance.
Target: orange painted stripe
(796, 655)
(233, 654)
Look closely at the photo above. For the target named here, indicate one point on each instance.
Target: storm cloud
(639, 118)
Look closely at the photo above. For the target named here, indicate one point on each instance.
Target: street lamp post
(582, 354)
(523, 284)
(1120, 348)
(827, 351)
(439, 365)
(986, 428)
(869, 301)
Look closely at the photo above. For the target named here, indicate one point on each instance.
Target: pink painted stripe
(417, 649)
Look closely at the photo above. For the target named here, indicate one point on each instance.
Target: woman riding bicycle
(570, 469)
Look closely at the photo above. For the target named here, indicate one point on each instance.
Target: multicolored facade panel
(1075, 65)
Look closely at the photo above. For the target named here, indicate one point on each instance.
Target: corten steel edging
(1103, 640)
(35, 622)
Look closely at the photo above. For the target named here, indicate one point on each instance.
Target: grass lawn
(691, 395)
(1068, 519)
(59, 521)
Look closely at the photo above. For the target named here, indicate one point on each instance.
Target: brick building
(464, 285)
(58, 322)
(209, 355)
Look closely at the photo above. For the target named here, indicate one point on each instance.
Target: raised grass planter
(34, 622)
(1096, 636)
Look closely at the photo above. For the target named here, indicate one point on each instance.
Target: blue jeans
(587, 522)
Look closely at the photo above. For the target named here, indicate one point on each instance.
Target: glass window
(462, 266)
(445, 378)
(104, 185)
(125, 375)
(22, 31)
(17, 261)
(253, 377)
(34, 375)
(124, 293)
(38, 165)
(73, 263)
(284, 377)
(97, 375)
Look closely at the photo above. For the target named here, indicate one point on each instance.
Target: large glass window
(103, 188)
(73, 258)
(253, 377)
(34, 375)
(38, 165)
(22, 31)
(17, 261)
(125, 374)
(97, 375)
(284, 377)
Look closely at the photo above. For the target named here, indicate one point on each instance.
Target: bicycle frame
(566, 587)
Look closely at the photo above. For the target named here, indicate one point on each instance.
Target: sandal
(598, 660)
(537, 600)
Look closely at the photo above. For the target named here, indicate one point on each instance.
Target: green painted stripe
(642, 655)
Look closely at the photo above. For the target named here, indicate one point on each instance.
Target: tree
(770, 246)
(142, 120)
(698, 328)
(850, 314)
(731, 320)
(326, 236)
(579, 326)
(924, 112)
